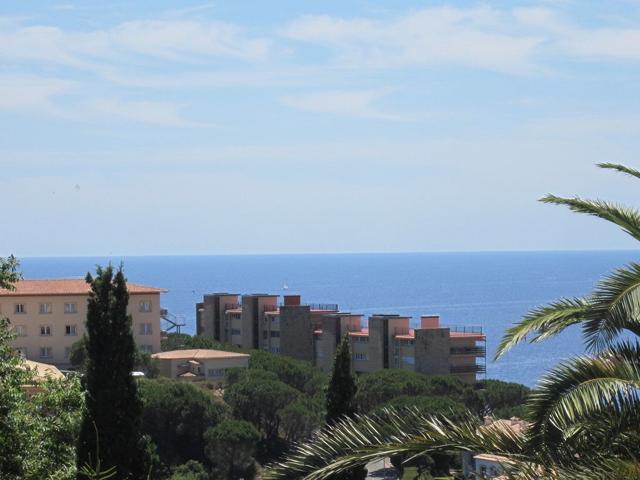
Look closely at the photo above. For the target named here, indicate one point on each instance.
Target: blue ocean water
(492, 290)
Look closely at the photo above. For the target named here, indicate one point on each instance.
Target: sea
(487, 289)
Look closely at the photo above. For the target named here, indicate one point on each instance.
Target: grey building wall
(249, 321)
(378, 342)
(296, 332)
(432, 350)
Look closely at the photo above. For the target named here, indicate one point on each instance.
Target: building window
(45, 330)
(146, 348)
(275, 334)
(21, 330)
(265, 334)
(67, 352)
(409, 360)
(145, 306)
(275, 349)
(70, 308)
(20, 308)
(360, 356)
(360, 339)
(45, 308)
(22, 351)
(45, 352)
(146, 329)
(235, 331)
(215, 372)
(70, 330)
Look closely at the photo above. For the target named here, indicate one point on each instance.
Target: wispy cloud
(353, 103)
(168, 40)
(480, 37)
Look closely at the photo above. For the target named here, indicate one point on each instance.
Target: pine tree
(341, 394)
(111, 423)
(342, 388)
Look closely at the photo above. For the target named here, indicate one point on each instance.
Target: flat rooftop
(66, 286)
(197, 354)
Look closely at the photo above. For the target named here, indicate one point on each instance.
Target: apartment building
(312, 332)
(48, 316)
(389, 342)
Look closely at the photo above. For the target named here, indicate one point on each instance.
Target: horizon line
(373, 252)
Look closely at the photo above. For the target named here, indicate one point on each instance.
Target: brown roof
(197, 354)
(65, 286)
(41, 371)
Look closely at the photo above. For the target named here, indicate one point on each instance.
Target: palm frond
(620, 168)
(353, 442)
(626, 218)
(583, 389)
(615, 307)
(545, 322)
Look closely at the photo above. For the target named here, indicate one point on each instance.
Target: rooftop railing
(329, 307)
(464, 328)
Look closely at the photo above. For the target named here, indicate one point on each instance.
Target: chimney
(291, 300)
(430, 321)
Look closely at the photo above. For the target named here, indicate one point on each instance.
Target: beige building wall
(46, 334)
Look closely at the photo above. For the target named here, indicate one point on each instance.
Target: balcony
(327, 307)
(468, 369)
(475, 351)
(464, 329)
(231, 306)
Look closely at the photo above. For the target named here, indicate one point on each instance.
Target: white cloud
(176, 40)
(481, 37)
(354, 103)
(31, 92)
(515, 40)
(44, 95)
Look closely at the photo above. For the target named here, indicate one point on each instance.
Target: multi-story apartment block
(313, 332)
(48, 316)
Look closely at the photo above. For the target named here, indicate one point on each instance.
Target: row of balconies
(477, 351)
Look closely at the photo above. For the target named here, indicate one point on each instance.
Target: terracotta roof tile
(65, 286)
(197, 354)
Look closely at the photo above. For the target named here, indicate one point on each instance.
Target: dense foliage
(176, 416)
(111, 423)
(230, 446)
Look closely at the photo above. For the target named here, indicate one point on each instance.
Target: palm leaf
(581, 391)
(545, 322)
(353, 442)
(626, 218)
(615, 307)
(621, 168)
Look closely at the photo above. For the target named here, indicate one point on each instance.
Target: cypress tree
(341, 394)
(111, 423)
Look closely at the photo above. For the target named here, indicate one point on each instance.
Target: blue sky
(158, 127)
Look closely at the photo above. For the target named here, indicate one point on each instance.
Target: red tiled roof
(197, 354)
(65, 286)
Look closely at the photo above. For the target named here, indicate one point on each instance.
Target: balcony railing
(269, 308)
(468, 369)
(464, 328)
(231, 306)
(478, 351)
(329, 307)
